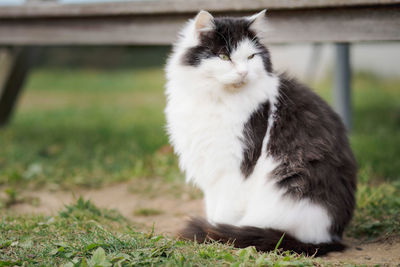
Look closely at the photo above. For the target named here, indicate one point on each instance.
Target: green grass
(90, 128)
(65, 136)
(83, 235)
(377, 214)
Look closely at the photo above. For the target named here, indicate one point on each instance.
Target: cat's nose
(242, 73)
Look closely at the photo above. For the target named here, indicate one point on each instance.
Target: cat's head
(225, 50)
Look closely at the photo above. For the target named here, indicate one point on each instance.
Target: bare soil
(168, 213)
(171, 210)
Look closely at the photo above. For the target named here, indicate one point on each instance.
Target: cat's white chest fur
(203, 134)
(206, 134)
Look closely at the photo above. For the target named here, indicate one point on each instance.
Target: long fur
(263, 239)
(269, 154)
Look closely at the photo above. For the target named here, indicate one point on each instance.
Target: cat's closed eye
(251, 56)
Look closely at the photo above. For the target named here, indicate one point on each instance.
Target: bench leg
(342, 81)
(22, 60)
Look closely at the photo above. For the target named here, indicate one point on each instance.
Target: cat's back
(307, 130)
(303, 116)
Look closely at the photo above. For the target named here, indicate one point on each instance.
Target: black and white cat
(270, 155)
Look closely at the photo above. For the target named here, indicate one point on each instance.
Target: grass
(63, 137)
(91, 128)
(83, 235)
(377, 214)
(147, 212)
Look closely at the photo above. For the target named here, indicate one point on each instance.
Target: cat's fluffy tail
(263, 239)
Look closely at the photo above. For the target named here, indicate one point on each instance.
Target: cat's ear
(203, 22)
(258, 21)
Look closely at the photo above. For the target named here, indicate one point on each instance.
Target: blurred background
(91, 118)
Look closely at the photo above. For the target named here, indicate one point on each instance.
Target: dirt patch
(382, 253)
(169, 218)
(168, 212)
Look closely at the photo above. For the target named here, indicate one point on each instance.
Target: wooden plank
(309, 25)
(144, 7)
(22, 60)
(335, 25)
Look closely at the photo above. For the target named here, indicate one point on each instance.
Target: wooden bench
(23, 28)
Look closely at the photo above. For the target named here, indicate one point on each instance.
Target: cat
(271, 157)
